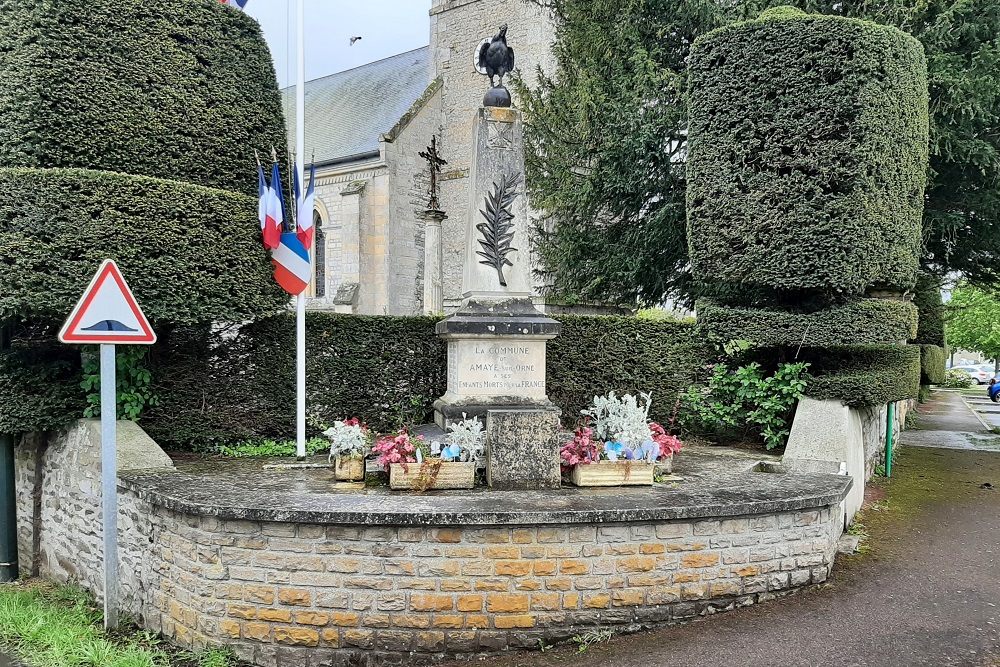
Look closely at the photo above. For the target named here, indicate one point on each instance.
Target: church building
(366, 128)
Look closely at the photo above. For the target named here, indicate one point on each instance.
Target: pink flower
(669, 444)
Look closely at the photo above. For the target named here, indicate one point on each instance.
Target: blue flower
(613, 450)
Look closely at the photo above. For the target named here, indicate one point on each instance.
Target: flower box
(612, 473)
(349, 470)
(432, 475)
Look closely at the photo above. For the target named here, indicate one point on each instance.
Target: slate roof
(346, 112)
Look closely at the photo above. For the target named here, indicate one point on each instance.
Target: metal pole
(109, 483)
(8, 510)
(890, 417)
(300, 300)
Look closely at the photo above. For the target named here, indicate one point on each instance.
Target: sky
(386, 27)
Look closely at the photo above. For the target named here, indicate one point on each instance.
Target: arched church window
(319, 256)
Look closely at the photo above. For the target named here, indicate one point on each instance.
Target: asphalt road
(927, 592)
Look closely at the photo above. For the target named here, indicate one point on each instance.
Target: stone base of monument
(522, 449)
(496, 359)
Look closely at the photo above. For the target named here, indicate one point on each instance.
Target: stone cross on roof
(435, 161)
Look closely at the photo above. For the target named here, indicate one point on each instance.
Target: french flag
(269, 208)
(291, 264)
(239, 4)
(304, 209)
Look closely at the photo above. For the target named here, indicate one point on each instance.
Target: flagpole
(300, 300)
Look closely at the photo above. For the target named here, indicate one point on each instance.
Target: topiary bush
(864, 375)
(867, 321)
(927, 299)
(129, 132)
(176, 89)
(932, 361)
(807, 154)
(190, 254)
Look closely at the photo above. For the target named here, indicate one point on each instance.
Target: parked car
(979, 374)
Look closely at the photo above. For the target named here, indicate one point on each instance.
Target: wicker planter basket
(612, 473)
(349, 470)
(432, 475)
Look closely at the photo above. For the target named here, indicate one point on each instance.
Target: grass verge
(46, 625)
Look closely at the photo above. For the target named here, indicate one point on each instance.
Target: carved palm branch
(497, 231)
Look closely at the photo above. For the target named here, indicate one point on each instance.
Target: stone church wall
(457, 27)
(410, 179)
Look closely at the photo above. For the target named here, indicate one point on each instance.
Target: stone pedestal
(496, 340)
(522, 450)
(433, 280)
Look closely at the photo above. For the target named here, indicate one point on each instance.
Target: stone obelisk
(496, 340)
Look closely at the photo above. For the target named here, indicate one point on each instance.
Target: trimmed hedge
(864, 375)
(865, 321)
(927, 298)
(221, 387)
(176, 89)
(190, 254)
(932, 361)
(595, 355)
(807, 154)
(39, 381)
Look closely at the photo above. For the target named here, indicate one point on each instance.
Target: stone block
(522, 449)
(827, 437)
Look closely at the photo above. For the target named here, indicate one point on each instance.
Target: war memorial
(514, 526)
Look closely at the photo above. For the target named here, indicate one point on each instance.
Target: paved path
(949, 420)
(928, 592)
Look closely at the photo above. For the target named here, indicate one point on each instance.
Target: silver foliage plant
(347, 441)
(624, 420)
(468, 434)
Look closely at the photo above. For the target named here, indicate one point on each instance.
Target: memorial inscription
(496, 368)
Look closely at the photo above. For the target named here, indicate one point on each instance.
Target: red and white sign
(107, 313)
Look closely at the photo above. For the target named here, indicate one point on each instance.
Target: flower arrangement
(349, 439)
(617, 429)
(400, 447)
(466, 441)
(581, 449)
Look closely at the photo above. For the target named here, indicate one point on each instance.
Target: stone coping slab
(712, 486)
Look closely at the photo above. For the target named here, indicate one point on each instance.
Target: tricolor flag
(240, 4)
(269, 208)
(304, 208)
(291, 264)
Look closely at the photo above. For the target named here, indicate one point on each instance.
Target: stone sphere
(498, 96)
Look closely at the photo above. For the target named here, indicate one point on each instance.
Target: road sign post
(109, 482)
(108, 315)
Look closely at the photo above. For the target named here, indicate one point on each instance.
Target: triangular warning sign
(107, 313)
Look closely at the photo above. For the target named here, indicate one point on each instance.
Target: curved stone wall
(284, 593)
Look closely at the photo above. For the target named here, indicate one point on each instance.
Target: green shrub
(177, 89)
(867, 321)
(932, 359)
(190, 254)
(807, 154)
(956, 379)
(743, 400)
(864, 375)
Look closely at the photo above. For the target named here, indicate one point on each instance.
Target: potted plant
(617, 445)
(410, 465)
(350, 443)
